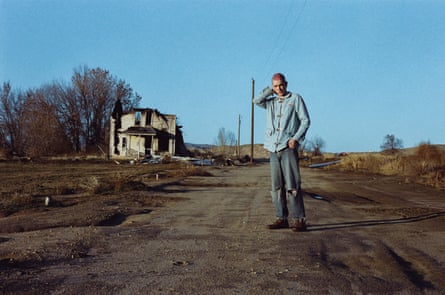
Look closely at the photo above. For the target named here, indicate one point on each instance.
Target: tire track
(416, 277)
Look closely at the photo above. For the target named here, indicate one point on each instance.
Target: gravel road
(366, 235)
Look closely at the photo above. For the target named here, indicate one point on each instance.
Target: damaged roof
(137, 130)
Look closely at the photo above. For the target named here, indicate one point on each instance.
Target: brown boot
(279, 223)
(299, 225)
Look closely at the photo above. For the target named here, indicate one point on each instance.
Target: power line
(278, 37)
(286, 41)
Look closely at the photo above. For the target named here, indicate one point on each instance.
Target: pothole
(113, 220)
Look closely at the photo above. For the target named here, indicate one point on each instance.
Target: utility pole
(238, 152)
(252, 123)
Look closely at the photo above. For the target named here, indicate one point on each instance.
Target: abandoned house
(143, 132)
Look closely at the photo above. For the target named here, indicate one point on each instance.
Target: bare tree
(68, 112)
(96, 91)
(225, 139)
(127, 96)
(391, 143)
(317, 144)
(44, 135)
(56, 116)
(11, 115)
(93, 90)
(302, 148)
(5, 90)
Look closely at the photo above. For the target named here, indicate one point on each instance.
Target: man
(287, 122)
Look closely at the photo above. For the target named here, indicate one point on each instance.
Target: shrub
(362, 162)
(429, 158)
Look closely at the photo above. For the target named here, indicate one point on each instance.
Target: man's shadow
(364, 223)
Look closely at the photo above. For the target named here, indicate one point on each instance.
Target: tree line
(59, 117)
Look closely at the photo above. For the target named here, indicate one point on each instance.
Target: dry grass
(25, 185)
(121, 182)
(184, 170)
(425, 165)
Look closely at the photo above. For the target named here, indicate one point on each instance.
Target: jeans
(286, 184)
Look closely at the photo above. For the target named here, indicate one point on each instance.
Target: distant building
(143, 132)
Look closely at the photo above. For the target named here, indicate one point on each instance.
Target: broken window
(137, 118)
(148, 118)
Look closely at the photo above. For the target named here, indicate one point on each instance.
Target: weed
(426, 165)
(188, 170)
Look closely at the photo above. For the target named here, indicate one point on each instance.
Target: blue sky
(365, 68)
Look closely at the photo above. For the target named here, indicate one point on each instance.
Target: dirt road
(366, 234)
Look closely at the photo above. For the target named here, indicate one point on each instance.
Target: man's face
(279, 87)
